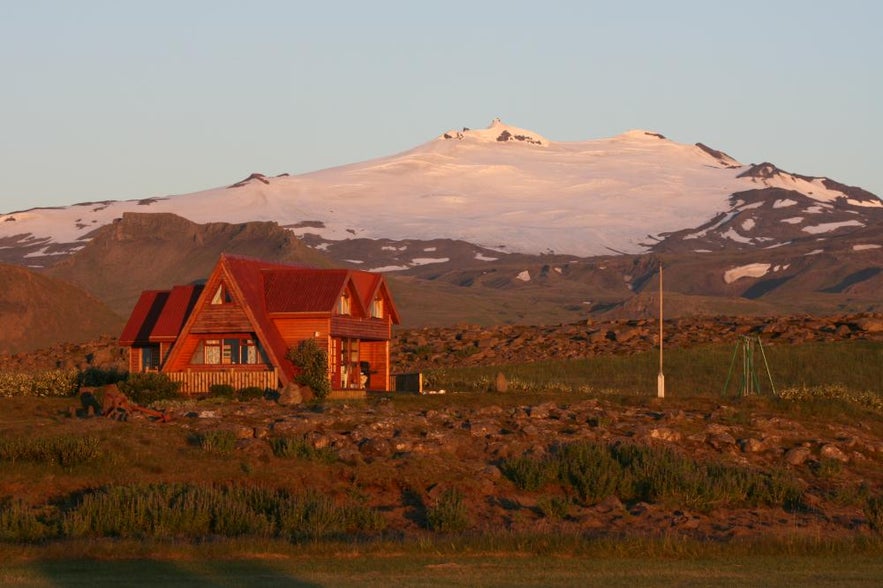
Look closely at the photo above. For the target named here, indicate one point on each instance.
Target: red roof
(175, 312)
(304, 290)
(159, 315)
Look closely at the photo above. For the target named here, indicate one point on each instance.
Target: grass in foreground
(504, 562)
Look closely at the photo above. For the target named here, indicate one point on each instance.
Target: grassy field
(506, 562)
(53, 474)
(692, 372)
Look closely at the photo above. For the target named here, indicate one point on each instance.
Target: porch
(199, 381)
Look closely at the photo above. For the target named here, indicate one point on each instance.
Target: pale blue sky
(118, 100)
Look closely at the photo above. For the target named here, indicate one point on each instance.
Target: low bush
(251, 393)
(146, 388)
(529, 473)
(221, 391)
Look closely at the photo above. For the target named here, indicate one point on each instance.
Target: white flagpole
(660, 379)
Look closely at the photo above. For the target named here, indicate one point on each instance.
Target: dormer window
(343, 304)
(222, 295)
(377, 307)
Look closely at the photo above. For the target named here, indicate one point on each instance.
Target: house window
(343, 304)
(377, 307)
(150, 358)
(222, 295)
(229, 351)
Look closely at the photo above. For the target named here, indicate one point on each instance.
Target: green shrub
(448, 514)
(221, 391)
(312, 361)
(146, 388)
(591, 470)
(528, 473)
(96, 377)
(251, 393)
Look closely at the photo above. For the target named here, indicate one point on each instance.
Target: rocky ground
(470, 345)
(403, 455)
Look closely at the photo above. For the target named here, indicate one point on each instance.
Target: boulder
(797, 455)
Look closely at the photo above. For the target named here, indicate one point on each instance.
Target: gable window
(377, 307)
(222, 295)
(343, 304)
(229, 351)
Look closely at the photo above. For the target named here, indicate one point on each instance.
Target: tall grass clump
(313, 516)
(19, 523)
(593, 471)
(190, 511)
(873, 509)
(63, 450)
(220, 442)
(299, 448)
(448, 514)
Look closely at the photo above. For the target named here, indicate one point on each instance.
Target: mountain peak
(498, 132)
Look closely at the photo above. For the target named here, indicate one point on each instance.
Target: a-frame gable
(371, 286)
(232, 313)
(357, 305)
(389, 306)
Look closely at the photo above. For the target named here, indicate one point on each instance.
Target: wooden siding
(294, 330)
(354, 328)
(375, 353)
(199, 382)
(221, 318)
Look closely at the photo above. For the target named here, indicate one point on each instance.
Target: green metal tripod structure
(750, 383)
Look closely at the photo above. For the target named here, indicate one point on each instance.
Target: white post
(660, 379)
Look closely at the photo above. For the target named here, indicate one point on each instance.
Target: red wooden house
(238, 327)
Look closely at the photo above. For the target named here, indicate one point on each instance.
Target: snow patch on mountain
(828, 227)
(751, 270)
(503, 188)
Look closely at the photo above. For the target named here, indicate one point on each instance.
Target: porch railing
(199, 382)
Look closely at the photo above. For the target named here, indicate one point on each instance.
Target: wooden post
(660, 379)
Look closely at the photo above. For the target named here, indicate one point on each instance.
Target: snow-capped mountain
(504, 189)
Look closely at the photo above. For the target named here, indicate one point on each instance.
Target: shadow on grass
(71, 573)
